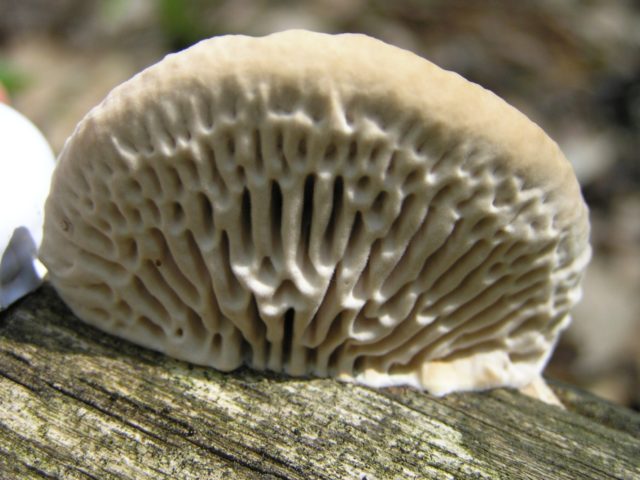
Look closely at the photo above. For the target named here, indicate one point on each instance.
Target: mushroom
(25, 173)
(319, 205)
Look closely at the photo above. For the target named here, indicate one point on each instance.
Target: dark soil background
(572, 66)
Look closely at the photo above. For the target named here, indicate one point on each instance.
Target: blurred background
(573, 66)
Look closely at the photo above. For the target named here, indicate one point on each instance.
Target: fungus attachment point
(319, 213)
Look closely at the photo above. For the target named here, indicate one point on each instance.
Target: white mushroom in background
(320, 205)
(26, 165)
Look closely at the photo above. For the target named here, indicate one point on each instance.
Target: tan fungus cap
(318, 204)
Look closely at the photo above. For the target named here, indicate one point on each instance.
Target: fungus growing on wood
(319, 205)
(26, 164)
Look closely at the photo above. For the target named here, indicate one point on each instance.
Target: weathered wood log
(79, 404)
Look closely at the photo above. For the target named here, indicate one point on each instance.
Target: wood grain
(76, 403)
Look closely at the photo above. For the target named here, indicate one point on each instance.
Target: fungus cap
(318, 204)
(26, 165)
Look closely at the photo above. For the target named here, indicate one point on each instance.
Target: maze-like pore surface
(306, 235)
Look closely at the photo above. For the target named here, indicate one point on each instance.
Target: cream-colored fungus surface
(317, 204)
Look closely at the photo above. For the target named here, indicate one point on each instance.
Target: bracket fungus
(26, 165)
(319, 205)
